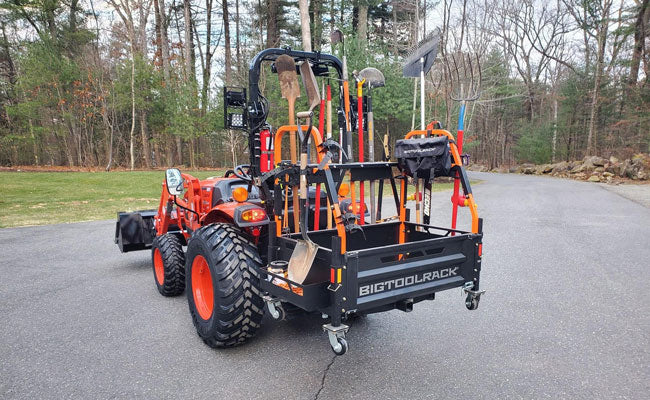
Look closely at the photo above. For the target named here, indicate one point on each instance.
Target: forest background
(138, 84)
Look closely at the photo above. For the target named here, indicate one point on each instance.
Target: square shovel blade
(301, 260)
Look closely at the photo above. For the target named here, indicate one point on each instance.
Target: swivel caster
(336, 336)
(342, 347)
(275, 308)
(473, 296)
(471, 302)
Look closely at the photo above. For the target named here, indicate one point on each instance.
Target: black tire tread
(240, 305)
(171, 250)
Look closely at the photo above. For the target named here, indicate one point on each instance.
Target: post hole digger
(238, 258)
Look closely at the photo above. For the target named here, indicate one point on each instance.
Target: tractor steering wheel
(243, 174)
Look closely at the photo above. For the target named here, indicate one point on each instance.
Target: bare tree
(189, 42)
(362, 32)
(227, 49)
(206, 55)
(304, 25)
(528, 36)
(136, 30)
(272, 28)
(315, 17)
(594, 19)
(162, 37)
(640, 33)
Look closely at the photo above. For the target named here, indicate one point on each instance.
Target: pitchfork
(466, 77)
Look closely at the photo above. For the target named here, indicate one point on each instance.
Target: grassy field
(39, 198)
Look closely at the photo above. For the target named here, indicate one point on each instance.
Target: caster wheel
(343, 347)
(282, 314)
(471, 303)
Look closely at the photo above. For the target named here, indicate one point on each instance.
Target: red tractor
(224, 218)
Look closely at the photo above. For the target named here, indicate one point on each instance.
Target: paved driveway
(567, 315)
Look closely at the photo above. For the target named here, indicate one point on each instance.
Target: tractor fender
(231, 213)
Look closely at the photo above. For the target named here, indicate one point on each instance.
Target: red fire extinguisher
(266, 148)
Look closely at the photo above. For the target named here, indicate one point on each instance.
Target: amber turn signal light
(240, 194)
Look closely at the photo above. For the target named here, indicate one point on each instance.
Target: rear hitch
(473, 296)
(405, 305)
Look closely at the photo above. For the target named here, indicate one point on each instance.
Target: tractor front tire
(223, 285)
(168, 262)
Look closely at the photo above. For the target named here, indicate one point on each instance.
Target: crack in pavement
(322, 382)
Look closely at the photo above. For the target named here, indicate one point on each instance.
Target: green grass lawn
(39, 198)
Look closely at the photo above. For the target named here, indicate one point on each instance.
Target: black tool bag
(424, 158)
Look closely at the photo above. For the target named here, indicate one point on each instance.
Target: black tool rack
(377, 272)
(378, 257)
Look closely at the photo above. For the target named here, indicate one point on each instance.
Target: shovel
(304, 253)
(290, 89)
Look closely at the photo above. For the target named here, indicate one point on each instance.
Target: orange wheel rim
(158, 266)
(202, 287)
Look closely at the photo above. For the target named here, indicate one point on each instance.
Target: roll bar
(255, 109)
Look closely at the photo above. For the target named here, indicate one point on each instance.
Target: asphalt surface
(566, 315)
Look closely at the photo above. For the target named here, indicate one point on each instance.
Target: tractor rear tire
(168, 262)
(223, 285)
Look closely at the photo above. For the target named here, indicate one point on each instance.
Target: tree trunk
(11, 68)
(146, 149)
(304, 25)
(363, 23)
(50, 19)
(415, 26)
(602, 37)
(316, 22)
(424, 18)
(237, 43)
(34, 143)
(272, 30)
(332, 16)
(585, 38)
(109, 127)
(161, 37)
(395, 52)
(189, 42)
(132, 134)
(553, 151)
(169, 151)
(143, 15)
(179, 150)
(462, 26)
(639, 38)
(192, 153)
(226, 34)
(207, 69)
